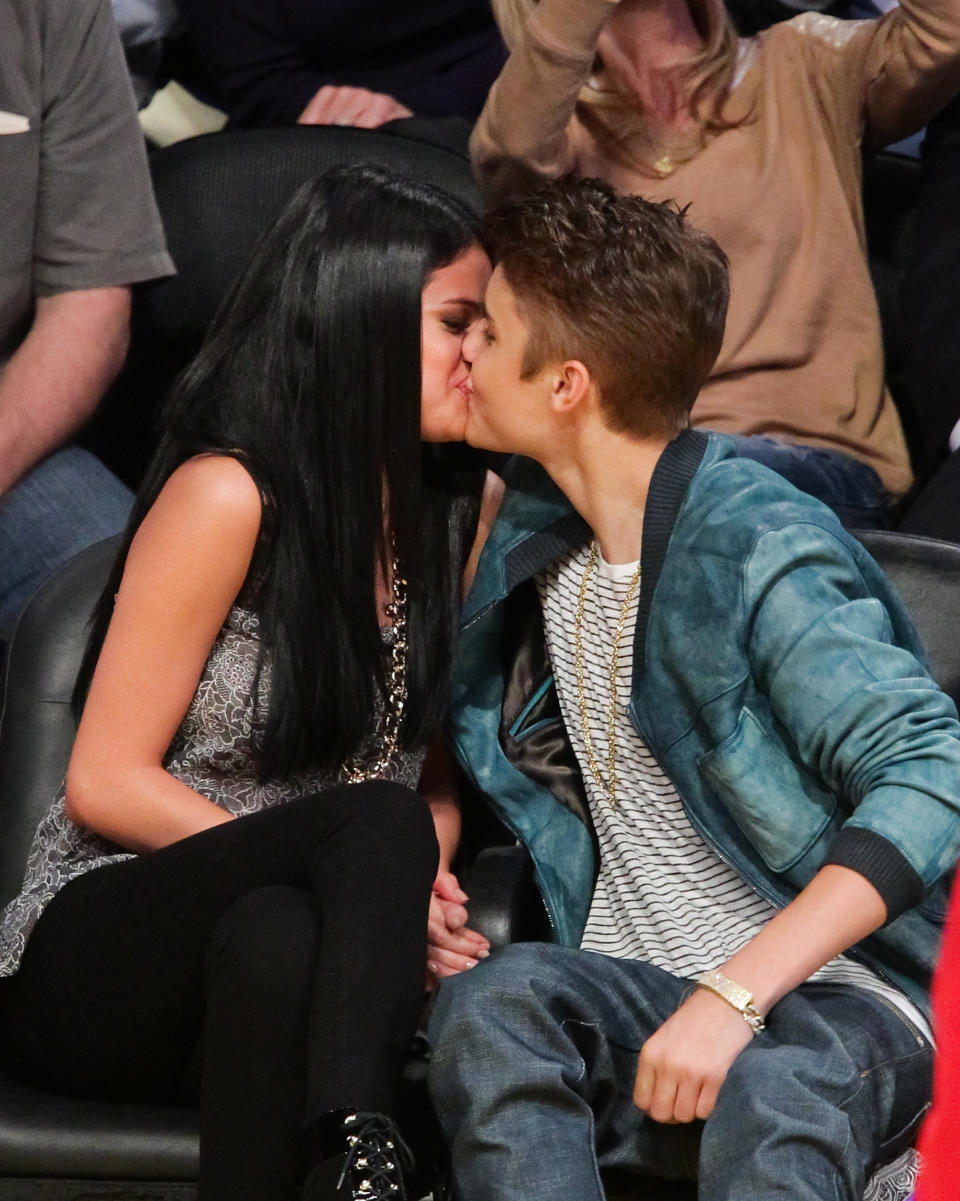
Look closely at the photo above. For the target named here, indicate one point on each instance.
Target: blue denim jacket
(776, 677)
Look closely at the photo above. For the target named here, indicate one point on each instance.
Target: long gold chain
(610, 785)
(355, 769)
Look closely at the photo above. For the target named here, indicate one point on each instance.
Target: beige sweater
(802, 356)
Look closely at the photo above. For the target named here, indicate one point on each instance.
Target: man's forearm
(837, 909)
(681, 1067)
(54, 381)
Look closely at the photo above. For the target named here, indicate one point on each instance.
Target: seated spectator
(761, 138)
(931, 321)
(346, 62)
(237, 885)
(78, 225)
(696, 700)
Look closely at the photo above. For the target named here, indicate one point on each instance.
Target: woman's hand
(682, 1066)
(333, 105)
(451, 947)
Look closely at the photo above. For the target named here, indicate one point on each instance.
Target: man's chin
(478, 436)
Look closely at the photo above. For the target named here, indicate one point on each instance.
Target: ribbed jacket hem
(886, 867)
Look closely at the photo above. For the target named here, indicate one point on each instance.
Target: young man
(695, 699)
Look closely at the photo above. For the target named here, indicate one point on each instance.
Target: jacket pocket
(781, 808)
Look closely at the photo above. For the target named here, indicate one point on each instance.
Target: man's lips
(465, 386)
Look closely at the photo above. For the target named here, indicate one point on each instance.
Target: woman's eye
(455, 325)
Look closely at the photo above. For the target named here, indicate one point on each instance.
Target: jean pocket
(780, 807)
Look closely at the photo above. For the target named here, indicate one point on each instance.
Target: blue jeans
(851, 488)
(534, 1057)
(66, 503)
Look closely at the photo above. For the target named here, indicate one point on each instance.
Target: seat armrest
(504, 903)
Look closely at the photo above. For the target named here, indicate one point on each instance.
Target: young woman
(761, 138)
(229, 898)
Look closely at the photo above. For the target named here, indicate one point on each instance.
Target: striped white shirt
(663, 894)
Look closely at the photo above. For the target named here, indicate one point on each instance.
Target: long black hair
(310, 376)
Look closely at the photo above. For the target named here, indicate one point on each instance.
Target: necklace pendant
(664, 165)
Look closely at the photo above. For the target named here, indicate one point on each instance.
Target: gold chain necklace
(355, 769)
(610, 786)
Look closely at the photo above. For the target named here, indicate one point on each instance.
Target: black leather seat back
(37, 727)
(891, 184)
(217, 195)
(926, 573)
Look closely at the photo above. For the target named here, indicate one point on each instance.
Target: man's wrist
(735, 995)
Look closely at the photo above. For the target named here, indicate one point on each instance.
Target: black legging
(288, 945)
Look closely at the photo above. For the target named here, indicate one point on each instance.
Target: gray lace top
(216, 752)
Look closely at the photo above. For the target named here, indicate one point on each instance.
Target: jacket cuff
(883, 864)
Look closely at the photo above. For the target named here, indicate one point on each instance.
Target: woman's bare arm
(185, 568)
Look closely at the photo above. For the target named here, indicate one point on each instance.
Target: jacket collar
(537, 525)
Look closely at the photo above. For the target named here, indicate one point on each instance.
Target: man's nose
(471, 341)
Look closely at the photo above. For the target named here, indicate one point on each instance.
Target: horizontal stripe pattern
(663, 894)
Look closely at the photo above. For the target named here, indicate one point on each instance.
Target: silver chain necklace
(355, 769)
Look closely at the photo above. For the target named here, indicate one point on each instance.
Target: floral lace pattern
(216, 751)
(895, 1181)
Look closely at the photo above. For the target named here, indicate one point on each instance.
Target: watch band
(734, 994)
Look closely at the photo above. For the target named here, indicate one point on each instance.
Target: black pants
(283, 953)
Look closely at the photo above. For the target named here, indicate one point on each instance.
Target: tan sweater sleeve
(912, 68)
(522, 135)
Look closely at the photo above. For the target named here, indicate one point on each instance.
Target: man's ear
(571, 384)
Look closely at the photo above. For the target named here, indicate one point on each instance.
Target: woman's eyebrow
(467, 302)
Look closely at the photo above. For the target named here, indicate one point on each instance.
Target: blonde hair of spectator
(614, 117)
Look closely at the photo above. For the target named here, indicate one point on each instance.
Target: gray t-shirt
(76, 205)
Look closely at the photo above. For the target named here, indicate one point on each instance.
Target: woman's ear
(570, 385)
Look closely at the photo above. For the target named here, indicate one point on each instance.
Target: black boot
(369, 1168)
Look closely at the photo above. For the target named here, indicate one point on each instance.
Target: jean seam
(564, 1023)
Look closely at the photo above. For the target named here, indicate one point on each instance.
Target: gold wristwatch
(736, 995)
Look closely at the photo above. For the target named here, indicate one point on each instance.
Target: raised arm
(523, 134)
(893, 74)
(912, 69)
(185, 568)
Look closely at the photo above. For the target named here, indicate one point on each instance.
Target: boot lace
(375, 1155)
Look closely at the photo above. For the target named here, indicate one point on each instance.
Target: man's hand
(451, 947)
(682, 1066)
(351, 106)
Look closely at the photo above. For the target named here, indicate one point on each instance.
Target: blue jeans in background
(852, 489)
(66, 503)
(533, 1064)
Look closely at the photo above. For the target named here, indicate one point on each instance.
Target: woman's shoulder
(220, 483)
(818, 34)
(204, 523)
